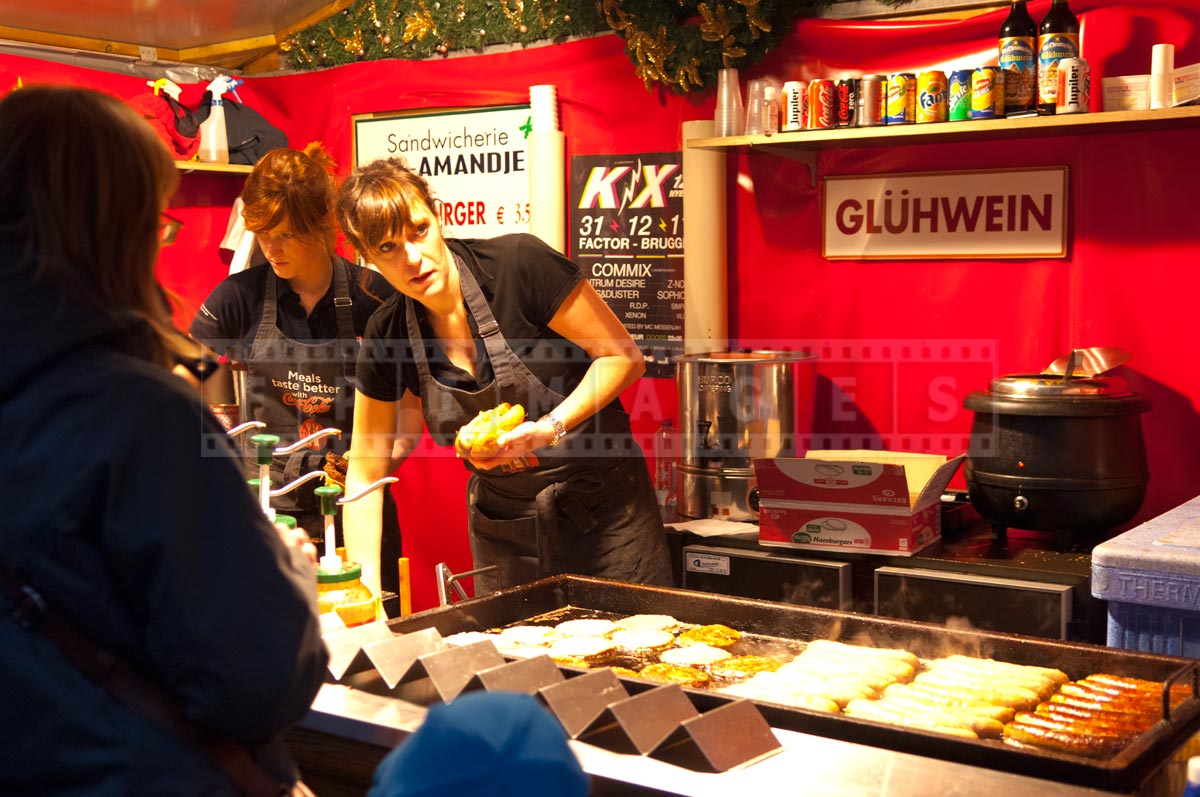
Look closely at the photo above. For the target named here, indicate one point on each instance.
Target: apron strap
(343, 308)
(485, 323)
(489, 329)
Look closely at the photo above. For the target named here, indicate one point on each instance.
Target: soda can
(229, 415)
(902, 98)
(795, 105)
(847, 102)
(931, 97)
(987, 93)
(960, 95)
(822, 105)
(872, 100)
(1074, 86)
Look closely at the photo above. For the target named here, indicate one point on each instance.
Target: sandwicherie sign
(935, 215)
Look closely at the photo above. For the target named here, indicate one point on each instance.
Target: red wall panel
(901, 342)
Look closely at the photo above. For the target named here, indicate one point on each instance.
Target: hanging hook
(287, 488)
(245, 427)
(369, 488)
(303, 441)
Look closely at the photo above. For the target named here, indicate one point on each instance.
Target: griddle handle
(446, 581)
(1193, 668)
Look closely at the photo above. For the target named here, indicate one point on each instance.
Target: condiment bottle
(1058, 38)
(341, 590)
(1018, 60)
(339, 583)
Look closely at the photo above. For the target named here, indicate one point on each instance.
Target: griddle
(1126, 771)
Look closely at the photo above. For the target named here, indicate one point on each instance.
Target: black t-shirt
(524, 282)
(230, 316)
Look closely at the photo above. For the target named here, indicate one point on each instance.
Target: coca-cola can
(229, 415)
(872, 100)
(822, 105)
(795, 105)
(1074, 86)
(847, 102)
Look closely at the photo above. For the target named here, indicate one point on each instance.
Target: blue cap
(486, 744)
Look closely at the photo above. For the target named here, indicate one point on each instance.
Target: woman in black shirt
(481, 322)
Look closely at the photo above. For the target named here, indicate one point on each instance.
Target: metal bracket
(804, 155)
(447, 581)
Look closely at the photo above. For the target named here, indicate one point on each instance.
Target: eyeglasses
(168, 229)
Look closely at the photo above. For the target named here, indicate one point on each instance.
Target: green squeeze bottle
(1058, 38)
(1018, 60)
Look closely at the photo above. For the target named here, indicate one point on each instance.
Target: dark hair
(83, 182)
(376, 202)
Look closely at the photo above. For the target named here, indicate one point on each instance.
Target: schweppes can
(987, 93)
(931, 97)
(902, 98)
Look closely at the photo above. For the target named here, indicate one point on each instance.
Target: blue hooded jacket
(126, 510)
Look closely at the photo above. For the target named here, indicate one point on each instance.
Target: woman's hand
(519, 444)
(298, 539)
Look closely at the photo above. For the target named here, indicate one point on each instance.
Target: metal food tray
(1127, 770)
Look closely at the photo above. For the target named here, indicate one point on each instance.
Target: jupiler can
(795, 105)
(960, 95)
(872, 100)
(1074, 86)
(902, 98)
(822, 105)
(847, 102)
(987, 93)
(931, 97)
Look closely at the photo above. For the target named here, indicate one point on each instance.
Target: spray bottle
(214, 145)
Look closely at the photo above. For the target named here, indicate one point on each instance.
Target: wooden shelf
(796, 144)
(198, 166)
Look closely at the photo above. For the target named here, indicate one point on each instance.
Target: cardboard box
(1126, 93)
(860, 501)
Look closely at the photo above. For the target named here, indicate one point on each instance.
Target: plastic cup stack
(755, 99)
(543, 104)
(728, 119)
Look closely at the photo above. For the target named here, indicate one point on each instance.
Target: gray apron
(297, 389)
(567, 512)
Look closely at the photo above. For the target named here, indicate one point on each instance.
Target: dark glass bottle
(1058, 38)
(1018, 60)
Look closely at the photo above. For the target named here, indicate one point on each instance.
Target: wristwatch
(560, 430)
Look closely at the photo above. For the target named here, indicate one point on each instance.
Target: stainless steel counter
(824, 766)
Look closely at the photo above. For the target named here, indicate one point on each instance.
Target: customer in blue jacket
(131, 533)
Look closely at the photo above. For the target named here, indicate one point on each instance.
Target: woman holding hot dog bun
(484, 322)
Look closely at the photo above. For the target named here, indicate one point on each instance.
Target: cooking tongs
(1087, 363)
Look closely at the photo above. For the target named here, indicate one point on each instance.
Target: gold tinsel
(714, 25)
(352, 43)
(755, 22)
(369, 6)
(515, 13)
(419, 25)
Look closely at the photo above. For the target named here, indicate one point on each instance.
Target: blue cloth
(486, 745)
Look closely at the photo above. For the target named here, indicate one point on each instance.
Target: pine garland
(416, 30)
(675, 44)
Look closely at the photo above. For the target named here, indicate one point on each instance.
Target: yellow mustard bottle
(341, 590)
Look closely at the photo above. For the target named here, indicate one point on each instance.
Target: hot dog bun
(478, 438)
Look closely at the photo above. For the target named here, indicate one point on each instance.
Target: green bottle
(1058, 38)
(1018, 60)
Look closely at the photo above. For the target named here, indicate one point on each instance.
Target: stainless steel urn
(735, 407)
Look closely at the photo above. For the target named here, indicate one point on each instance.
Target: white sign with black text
(474, 160)
(981, 214)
